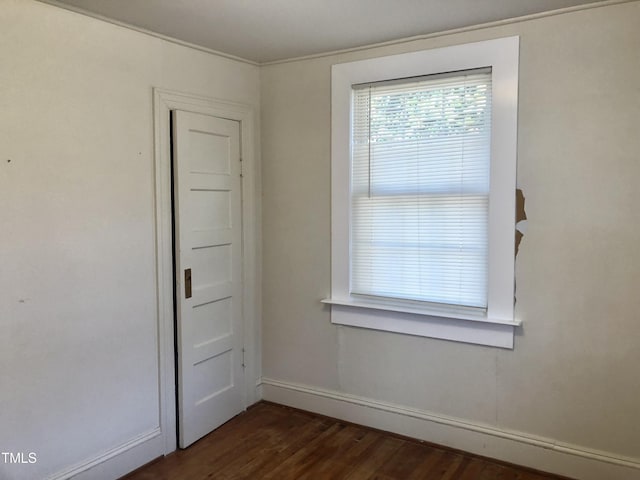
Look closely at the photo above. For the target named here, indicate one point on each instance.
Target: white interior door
(208, 253)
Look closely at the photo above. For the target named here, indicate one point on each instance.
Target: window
(420, 189)
(423, 192)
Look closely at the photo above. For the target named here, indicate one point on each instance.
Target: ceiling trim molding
(128, 26)
(471, 28)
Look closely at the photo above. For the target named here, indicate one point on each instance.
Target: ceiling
(270, 30)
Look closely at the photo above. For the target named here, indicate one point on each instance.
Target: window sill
(446, 314)
(456, 327)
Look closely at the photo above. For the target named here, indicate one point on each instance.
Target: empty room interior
(417, 217)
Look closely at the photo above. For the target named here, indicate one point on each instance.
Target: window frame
(496, 326)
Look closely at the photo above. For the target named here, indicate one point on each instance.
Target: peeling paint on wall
(521, 218)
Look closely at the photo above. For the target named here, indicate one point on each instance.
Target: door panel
(207, 206)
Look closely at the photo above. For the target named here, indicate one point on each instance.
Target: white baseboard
(117, 461)
(259, 392)
(510, 446)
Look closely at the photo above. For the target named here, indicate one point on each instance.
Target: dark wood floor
(274, 442)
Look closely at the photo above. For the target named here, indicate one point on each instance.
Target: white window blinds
(420, 189)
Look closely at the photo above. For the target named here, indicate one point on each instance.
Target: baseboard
(117, 461)
(259, 392)
(509, 446)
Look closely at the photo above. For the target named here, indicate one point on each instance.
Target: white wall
(79, 337)
(572, 380)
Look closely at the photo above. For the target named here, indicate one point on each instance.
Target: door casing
(165, 101)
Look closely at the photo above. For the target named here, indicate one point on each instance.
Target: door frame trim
(163, 102)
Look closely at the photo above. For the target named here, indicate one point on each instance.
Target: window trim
(497, 326)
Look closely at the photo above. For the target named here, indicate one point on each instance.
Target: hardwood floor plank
(280, 448)
(271, 441)
(340, 456)
(428, 465)
(340, 463)
(448, 466)
(376, 456)
(472, 470)
(405, 461)
(305, 457)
